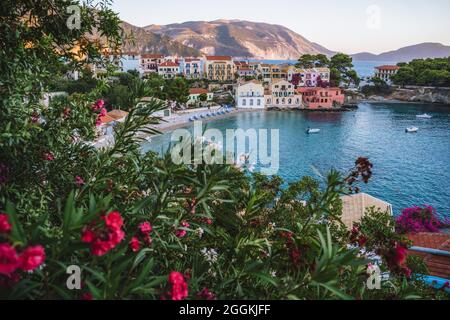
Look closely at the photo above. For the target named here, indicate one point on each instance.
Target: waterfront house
(150, 62)
(308, 77)
(250, 95)
(321, 98)
(192, 68)
(386, 72)
(220, 68)
(195, 93)
(163, 113)
(168, 69)
(282, 94)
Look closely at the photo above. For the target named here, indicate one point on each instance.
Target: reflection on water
(410, 169)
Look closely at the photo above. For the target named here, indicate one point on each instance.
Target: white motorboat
(412, 130)
(424, 116)
(311, 131)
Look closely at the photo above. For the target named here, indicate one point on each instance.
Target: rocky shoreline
(411, 95)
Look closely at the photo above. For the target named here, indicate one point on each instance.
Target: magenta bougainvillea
(417, 219)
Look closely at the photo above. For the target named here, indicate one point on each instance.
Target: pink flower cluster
(417, 219)
(28, 259)
(99, 106)
(145, 229)
(181, 233)
(106, 235)
(179, 287)
(205, 294)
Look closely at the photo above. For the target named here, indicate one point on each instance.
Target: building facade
(131, 61)
(250, 95)
(308, 77)
(195, 93)
(150, 62)
(386, 72)
(282, 94)
(169, 69)
(321, 98)
(192, 68)
(220, 68)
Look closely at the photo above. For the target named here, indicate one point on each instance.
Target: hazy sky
(349, 26)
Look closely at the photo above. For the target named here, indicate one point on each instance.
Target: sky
(349, 26)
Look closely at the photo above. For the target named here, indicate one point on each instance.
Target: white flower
(273, 274)
(200, 232)
(210, 255)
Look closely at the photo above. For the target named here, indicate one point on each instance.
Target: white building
(386, 72)
(282, 94)
(192, 68)
(169, 69)
(195, 93)
(250, 95)
(131, 61)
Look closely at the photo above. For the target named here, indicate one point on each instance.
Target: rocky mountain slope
(240, 38)
(406, 54)
(141, 40)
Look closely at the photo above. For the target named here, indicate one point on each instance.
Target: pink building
(321, 98)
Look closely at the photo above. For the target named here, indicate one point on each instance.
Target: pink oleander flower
(103, 112)
(98, 105)
(5, 226)
(205, 294)
(9, 260)
(135, 245)
(181, 233)
(106, 235)
(32, 258)
(179, 290)
(48, 156)
(79, 181)
(145, 227)
(87, 296)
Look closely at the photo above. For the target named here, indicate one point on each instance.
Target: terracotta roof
(169, 64)
(224, 58)
(152, 56)
(387, 68)
(439, 266)
(117, 114)
(198, 91)
(191, 59)
(107, 119)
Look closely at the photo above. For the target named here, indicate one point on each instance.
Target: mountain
(240, 39)
(406, 54)
(141, 40)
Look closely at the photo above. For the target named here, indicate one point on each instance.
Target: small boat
(412, 130)
(424, 116)
(311, 131)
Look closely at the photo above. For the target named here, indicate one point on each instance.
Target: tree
(177, 90)
(308, 61)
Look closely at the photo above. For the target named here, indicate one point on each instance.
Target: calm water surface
(409, 169)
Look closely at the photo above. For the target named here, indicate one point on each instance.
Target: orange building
(321, 98)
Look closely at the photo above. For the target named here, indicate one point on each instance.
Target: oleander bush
(141, 227)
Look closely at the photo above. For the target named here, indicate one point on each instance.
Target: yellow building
(220, 68)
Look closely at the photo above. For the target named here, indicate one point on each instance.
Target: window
(259, 102)
(251, 102)
(244, 102)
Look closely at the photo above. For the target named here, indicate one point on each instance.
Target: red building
(321, 98)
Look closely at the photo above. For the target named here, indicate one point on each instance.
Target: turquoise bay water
(409, 169)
